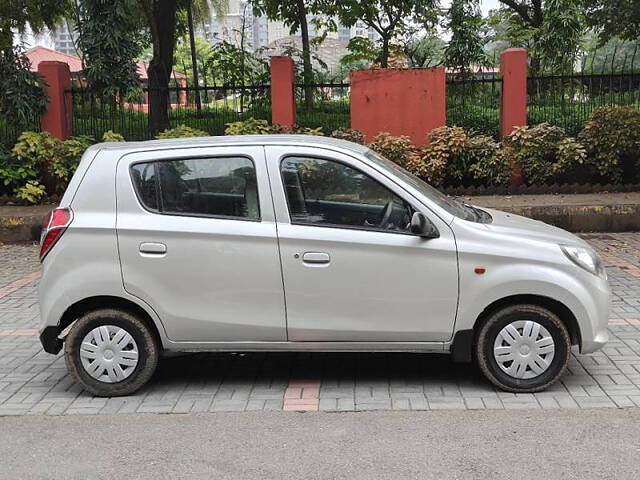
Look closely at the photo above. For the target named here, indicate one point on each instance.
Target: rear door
(197, 240)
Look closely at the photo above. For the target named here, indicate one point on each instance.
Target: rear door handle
(316, 257)
(153, 248)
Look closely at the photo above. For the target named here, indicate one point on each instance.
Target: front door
(352, 270)
(197, 242)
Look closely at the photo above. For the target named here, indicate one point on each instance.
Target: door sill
(433, 347)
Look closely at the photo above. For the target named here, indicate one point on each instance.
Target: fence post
(283, 105)
(57, 118)
(513, 97)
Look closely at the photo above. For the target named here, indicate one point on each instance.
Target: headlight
(585, 258)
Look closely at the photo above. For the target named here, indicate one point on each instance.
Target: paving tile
(35, 383)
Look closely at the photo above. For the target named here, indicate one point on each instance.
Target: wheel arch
(107, 301)
(464, 340)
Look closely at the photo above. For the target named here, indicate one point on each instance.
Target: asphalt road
(581, 444)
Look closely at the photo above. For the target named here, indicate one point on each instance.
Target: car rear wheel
(111, 352)
(523, 348)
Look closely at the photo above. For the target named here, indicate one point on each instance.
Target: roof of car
(278, 139)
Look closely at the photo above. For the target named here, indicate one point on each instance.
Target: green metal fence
(473, 102)
(330, 106)
(94, 114)
(568, 100)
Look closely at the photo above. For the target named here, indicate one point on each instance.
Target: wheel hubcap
(109, 354)
(524, 349)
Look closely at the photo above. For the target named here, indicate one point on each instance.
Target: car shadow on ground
(277, 367)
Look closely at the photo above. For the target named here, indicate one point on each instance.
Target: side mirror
(420, 225)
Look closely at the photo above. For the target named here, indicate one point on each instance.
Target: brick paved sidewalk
(33, 382)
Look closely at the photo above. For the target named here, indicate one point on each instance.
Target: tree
(561, 34)
(200, 9)
(21, 94)
(183, 59)
(426, 51)
(614, 18)
(162, 20)
(466, 46)
(110, 40)
(293, 13)
(389, 18)
(553, 29)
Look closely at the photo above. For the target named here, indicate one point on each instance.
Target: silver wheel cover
(109, 354)
(524, 349)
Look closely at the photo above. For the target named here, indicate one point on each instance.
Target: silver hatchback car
(280, 242)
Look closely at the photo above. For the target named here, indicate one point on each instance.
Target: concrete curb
(25, 225)
(20, 228)
(584, 218)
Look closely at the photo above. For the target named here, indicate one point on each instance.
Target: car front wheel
(111, 352)
(523, 348)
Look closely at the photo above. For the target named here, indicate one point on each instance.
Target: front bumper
(596, 343)
(50, 341)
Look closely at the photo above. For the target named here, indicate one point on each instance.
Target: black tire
(148, 352)
(489, 331)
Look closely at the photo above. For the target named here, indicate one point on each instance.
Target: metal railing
(568, 100)
(94, 114)
(473, 102)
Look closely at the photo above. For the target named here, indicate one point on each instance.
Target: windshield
(454, 207)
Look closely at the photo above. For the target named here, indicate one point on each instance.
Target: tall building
(237, 26)
(260, 32)
(64, 40)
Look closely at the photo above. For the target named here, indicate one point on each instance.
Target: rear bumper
(50, 341)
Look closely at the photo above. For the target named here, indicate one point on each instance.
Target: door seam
(275, 222)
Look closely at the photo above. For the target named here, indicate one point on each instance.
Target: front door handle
(316, 257)
(153, 248)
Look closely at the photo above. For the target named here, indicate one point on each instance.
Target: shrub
(250, 126)
(399, 150)
(611, 138)
(111, 136)
(64, 164)
(543, 152)
(31, 192)
(451, 156)
(37, 154)
(487, 164)
(295, 130)
(444, 156)
(22, 166)
(182, 131)
(350, 134)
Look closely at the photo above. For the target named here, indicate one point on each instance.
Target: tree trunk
(384, 54)
(163, 35)
(192, 41)
(307, 70)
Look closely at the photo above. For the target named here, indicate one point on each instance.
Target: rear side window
(217, 187)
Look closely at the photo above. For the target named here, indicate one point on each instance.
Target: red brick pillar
(57, 119)
(283, 104)
(513, 100)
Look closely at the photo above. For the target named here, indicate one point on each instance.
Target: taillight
(53, 227)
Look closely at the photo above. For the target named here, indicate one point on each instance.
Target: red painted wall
(57, 119)
(283, 106)
(398, 101)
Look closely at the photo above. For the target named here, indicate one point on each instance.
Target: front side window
(330, 193)
(218, 186)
